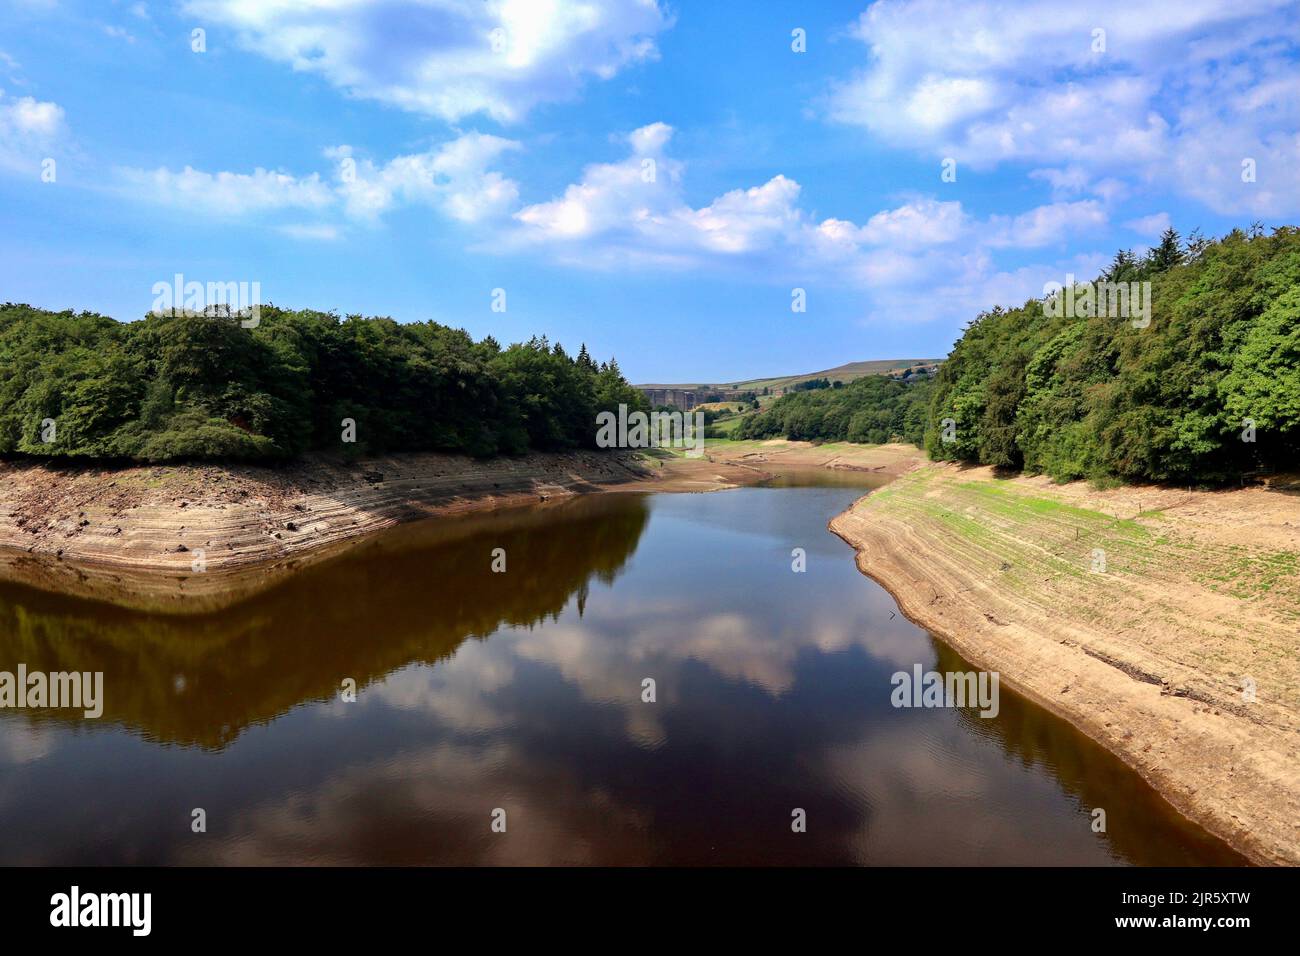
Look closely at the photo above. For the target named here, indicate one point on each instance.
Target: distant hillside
(689, 395)
(844, 373)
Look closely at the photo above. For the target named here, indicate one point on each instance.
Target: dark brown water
(523, 691)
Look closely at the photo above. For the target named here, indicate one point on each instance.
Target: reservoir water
(523, 691)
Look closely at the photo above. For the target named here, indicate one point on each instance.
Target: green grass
(845, 373)
(1027, 529)
(1248, 575)
(727, 425)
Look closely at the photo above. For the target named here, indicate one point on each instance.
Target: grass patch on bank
(1030, 537)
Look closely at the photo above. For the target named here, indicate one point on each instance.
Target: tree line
(204, 386)
(1207, 390)
(873, 410)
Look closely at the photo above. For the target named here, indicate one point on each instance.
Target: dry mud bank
(137, 535)
(140, 535)
(778, 453)
(1154, 653)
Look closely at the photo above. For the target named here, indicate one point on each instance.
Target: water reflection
(773, 693)
(399, 599)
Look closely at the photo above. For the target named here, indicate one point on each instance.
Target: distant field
(728, 425)
(844, 373)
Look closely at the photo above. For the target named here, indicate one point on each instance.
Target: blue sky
(652, 179)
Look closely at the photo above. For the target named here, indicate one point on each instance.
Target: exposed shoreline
(132, 535)
(1159, 690)
(196, 538)
(1148, 658)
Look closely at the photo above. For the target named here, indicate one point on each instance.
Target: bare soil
(192, 538)
(1162, 622)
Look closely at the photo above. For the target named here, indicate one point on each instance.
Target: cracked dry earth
(1145, 616)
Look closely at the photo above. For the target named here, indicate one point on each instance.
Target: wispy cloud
(1150, 227)
(119, 33)
(452, 178)
(226, 194)
(313, 232)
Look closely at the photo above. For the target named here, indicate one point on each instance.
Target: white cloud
(920, 260)
(631, 213)
(634, 211)
(1178, 96)
(118, 33)
(314, 232)
(631, 209)
(30, 117)
(650, 140)
(921, 223)
(29, 130)
(1055, 224)
(438, 57)
(743, 220)
(1151, 226)
(453, 178)
(1066, 181)
(1072, 180)
(227, 194)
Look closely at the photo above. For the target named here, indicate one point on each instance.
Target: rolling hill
(690, 394)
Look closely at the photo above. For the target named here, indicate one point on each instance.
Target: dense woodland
(873, 409)
(1097, 397)
(1072, 397)
(175, 387)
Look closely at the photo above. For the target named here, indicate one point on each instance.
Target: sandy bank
(192, 538)
(1152, 653)
(780, 454)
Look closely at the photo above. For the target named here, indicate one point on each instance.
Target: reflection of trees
(1083, 768)
(390, 602)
